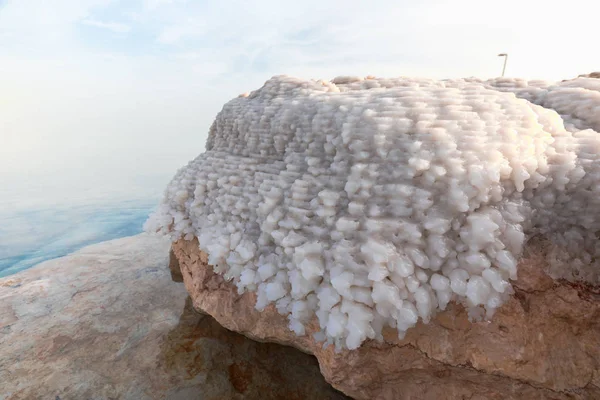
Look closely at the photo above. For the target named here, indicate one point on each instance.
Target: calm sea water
(32, 235)
(46, 217)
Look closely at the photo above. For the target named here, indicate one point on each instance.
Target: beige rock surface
(543, 344)
(107, 322)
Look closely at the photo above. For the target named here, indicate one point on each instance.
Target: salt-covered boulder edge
(373, 203)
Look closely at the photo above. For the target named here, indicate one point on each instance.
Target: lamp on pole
(505, 60)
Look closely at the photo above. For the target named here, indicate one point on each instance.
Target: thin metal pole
(505, 60)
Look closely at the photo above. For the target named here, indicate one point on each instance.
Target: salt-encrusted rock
(373, 203)
(544, 343)
(366, 209)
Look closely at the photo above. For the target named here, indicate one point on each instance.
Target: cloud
(272, 37)
(175, 33)
(440, 39)
(154, 4)
(112, 26)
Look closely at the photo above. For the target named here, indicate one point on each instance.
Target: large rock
(374, 202)
(544, 343)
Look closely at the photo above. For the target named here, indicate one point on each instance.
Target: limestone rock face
(543, 344)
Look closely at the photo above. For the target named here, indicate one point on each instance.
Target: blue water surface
(33, 235)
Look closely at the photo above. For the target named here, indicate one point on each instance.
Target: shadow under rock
(220, 364)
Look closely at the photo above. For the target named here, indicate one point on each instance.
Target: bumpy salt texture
(374, 202)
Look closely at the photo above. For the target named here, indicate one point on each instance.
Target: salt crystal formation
(374, 202)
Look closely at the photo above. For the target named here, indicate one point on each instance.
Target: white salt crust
(373, 202)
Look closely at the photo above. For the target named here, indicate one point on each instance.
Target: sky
(102, 101)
